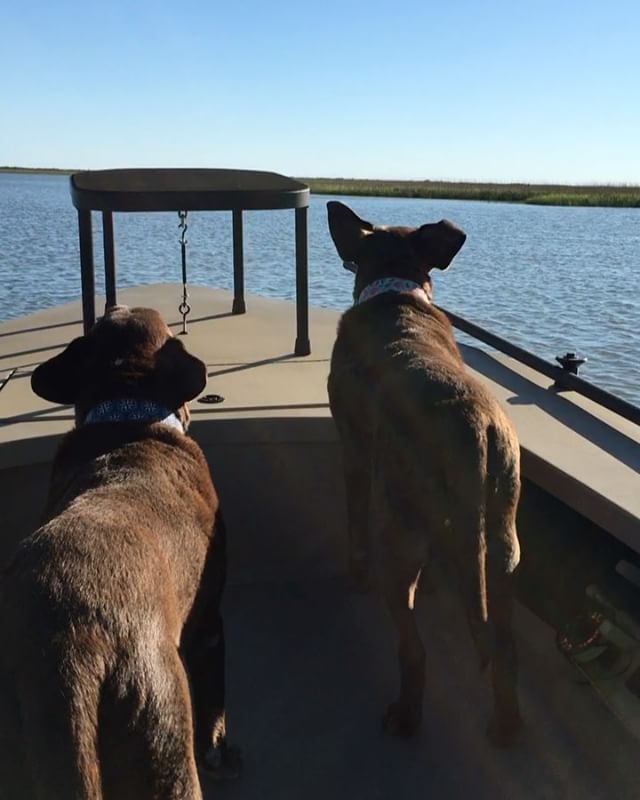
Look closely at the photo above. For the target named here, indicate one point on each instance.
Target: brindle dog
(430, 458)
(112, 663)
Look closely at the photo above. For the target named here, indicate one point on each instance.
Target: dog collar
(383, 285)
(133, 410)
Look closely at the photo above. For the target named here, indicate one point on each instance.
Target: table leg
(303, 345)
(239, 306)
(109, 258)
(87, 274)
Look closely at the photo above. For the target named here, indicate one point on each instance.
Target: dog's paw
(223, 763)
(504, 733)
(402, 720)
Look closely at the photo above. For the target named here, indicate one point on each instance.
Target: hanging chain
(184, 308)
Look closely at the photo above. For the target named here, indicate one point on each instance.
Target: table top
(185, 189)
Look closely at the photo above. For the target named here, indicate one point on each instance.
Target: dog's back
(430, 457)
(441, 445)
(99, 605)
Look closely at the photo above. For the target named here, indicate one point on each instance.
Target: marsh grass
(37, 170)
(540, 194)
(621, 196)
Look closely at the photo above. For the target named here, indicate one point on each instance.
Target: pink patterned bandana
(392, 285)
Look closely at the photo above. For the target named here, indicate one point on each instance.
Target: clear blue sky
(533, 90)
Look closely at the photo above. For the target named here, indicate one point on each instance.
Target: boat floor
(312, 665)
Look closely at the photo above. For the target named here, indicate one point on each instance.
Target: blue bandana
(133, 410)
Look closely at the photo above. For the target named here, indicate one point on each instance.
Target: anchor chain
(184, 308)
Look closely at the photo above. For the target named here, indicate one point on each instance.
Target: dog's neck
(133, 410)
(383, 285)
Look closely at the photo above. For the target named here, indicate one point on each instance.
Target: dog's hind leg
(349, 399)
(357, 478)
(486, 587)
(146, 730)
(169, 734)
(506, 721)
(401, 546)
(59, 721)
(203, 651)
(205, 661)
(502, 541)
(403, 717)
(502, 557)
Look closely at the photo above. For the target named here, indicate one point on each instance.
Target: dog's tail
(491, 552)
(502, 550)
(60, 719)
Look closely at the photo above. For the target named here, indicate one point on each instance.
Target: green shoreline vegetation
(611, 196)
(537, 194)
(38, 170)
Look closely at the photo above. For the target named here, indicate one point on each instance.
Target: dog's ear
(59, 379)
(180, 376)
(347, 230)
(438, 243)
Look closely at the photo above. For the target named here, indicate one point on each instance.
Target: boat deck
(312, 665)
(311, 662)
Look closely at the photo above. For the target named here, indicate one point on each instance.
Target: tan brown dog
(112, 668)
(430, 458)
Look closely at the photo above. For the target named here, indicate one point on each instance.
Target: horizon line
(469, 182)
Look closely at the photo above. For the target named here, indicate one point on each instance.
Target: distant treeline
(39, 170)
(540, 194)
(536, 193)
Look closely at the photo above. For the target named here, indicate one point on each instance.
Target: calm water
(549, 279)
